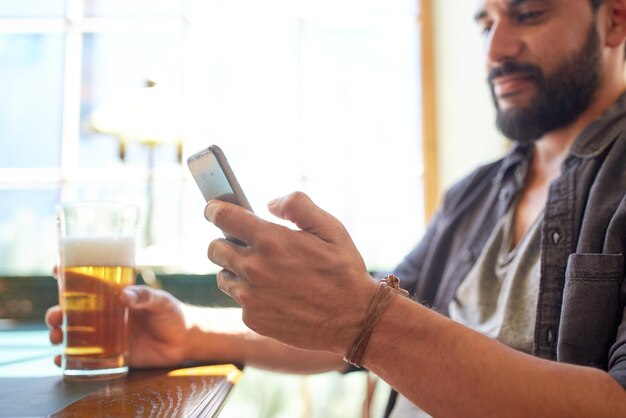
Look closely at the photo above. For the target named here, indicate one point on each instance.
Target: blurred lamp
(151, 116)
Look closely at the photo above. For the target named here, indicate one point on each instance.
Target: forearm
(218, 334)
(450, 370)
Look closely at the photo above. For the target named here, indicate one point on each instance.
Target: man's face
(544, 63)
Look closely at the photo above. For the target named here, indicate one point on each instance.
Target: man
(527, 250)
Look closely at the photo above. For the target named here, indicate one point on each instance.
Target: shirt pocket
(590, 311)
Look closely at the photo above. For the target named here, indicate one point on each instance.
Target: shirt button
(504, 194)
(467, 256)
(550, 335)
(556, 237)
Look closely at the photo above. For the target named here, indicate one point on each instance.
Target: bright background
(321, 96)
(318, 96)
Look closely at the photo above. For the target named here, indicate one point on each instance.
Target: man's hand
(308, 288)
(157, 327)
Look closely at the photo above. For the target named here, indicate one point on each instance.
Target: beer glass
(97, 260)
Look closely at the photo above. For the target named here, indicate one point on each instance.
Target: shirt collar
(600, 133)
(516, 160)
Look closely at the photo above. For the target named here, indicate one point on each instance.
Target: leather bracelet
(387, 289)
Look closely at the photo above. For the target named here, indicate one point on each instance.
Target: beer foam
(98, 251)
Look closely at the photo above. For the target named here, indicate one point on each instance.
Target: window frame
(74, 25)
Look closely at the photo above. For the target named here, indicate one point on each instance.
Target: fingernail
(130, 296)
(208, 210)
(273, 202)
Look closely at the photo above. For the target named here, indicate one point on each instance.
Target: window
(321, 96)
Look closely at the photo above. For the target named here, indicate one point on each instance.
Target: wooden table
(31, 386)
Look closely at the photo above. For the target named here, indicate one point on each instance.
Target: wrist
(352, 311)
(403, 321)
(386, 291)
(215, 335)
(192, 330)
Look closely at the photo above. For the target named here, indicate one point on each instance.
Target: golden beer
(94, 271)
(94, 313)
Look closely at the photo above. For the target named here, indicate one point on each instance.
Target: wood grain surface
(189, 392)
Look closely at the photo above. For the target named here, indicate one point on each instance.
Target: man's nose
(503, 43)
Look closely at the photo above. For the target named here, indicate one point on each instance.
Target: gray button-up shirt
(582, 294)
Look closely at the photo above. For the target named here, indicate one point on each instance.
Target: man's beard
(560, 97)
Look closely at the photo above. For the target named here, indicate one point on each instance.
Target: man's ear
(616, 32)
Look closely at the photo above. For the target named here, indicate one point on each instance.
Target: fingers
(54, 316)
(57, 360)
(56, 335)
(148, 299)
(225, 254)
(298, 208)
(54, 320)
(230, 284)
(234, 220)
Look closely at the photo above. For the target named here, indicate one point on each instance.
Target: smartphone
(216, 179)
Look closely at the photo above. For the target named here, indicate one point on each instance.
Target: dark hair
(595, 5)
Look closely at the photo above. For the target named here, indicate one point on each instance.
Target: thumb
(298, 208)
(147, 299)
